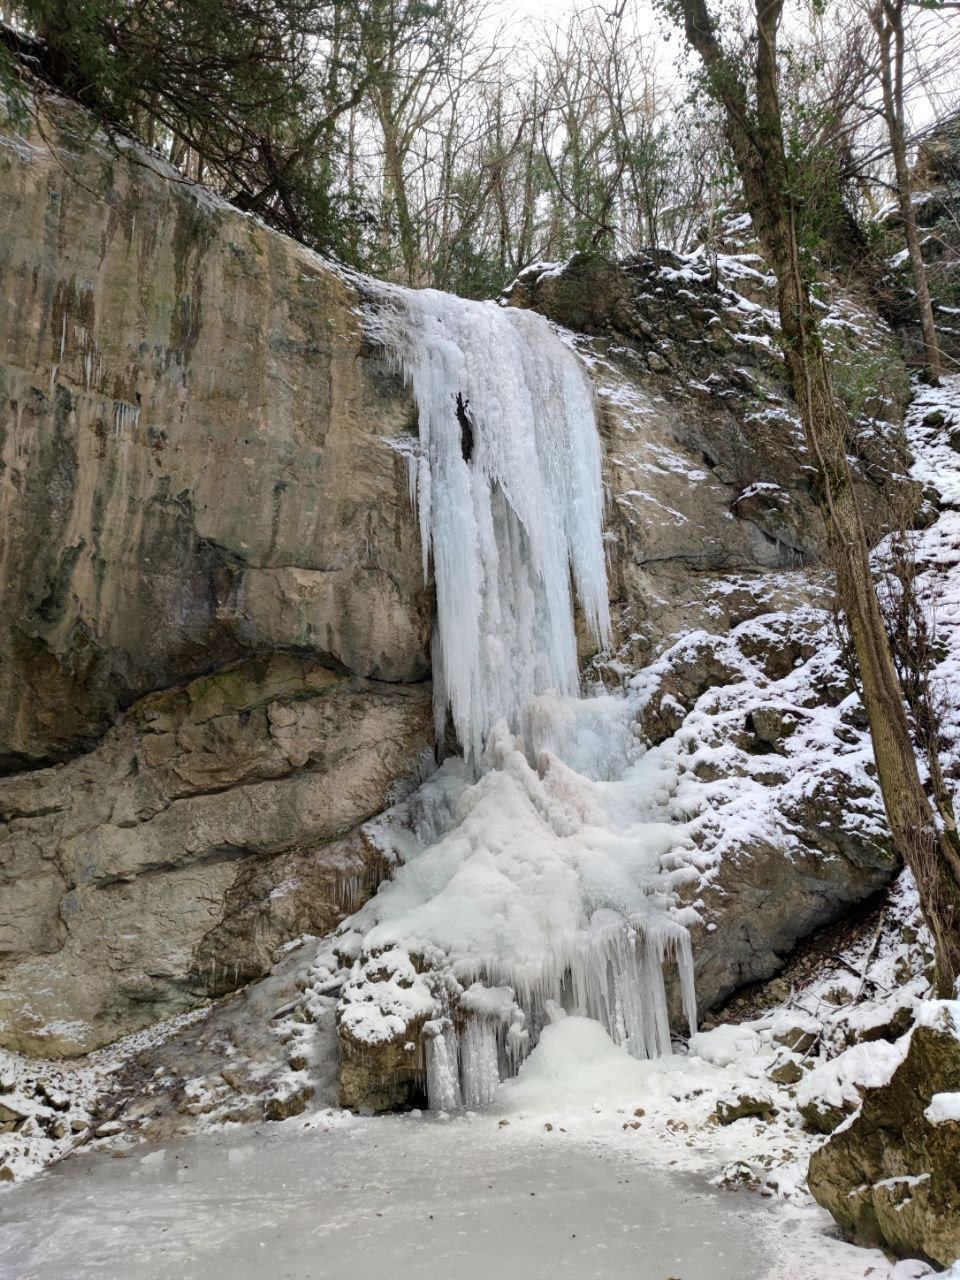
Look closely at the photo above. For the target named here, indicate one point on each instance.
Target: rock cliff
(195, 496)
(214, 633)
(193, 459)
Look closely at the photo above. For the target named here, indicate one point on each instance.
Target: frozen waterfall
(532, 876)
(506, 479)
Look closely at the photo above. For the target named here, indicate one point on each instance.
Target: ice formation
(529, 873)
(506, 479)
(529, 889)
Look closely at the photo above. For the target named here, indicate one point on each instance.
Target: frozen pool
(391, 1197)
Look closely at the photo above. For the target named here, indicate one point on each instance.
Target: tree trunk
(928, 851)
(888, 23)
(397, 190)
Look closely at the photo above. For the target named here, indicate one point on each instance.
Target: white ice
(507, 529)
(534, 885)
(532, 865)
(396, 1196)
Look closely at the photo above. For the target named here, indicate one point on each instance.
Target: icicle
(517, 1044)
(443, 1077)
(507, 520)
(479, 1062)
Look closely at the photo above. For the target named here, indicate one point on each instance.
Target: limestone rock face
(192, 458)
(891, 1177)
(214, 823)
(705, 461)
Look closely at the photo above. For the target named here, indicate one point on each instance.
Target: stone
(54, 1097)
(799, 1039)
(215, 823)
(744, 1106)
(385, 1077)
(891, 1177)
(822, 1117)
(787, 1072)
(770, 725)
(194, 459)
(10, 1116)
(283, 1106)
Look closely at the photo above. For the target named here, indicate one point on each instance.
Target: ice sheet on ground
(293, 1204)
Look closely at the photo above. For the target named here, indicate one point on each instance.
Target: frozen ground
(590, 1164)
(406, 1196)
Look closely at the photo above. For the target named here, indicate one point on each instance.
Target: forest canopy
(426, 141)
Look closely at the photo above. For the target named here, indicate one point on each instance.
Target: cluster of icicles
(506, 477)
(506, 527)
(618, 981)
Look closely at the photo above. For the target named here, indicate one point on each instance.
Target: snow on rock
(48, 1108)
(944, 1108)
(403, 996)
(940, 1015)
(726, 1044)
(839, 1082)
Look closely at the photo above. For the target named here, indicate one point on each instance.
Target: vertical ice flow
(538, 886)
(508, 527)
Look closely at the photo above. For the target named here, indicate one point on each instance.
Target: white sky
(926, 104)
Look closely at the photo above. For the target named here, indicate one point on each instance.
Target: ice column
(509, 510)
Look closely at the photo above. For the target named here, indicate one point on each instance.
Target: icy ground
(338, 1197)
(590, 1162)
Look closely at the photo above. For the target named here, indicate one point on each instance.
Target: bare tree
(888, 19)
(749, 94)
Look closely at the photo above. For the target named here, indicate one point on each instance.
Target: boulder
(891, 1176)
(740, 1106)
